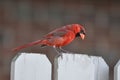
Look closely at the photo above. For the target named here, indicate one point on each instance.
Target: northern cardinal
(58, 37)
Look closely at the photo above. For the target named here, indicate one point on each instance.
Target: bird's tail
(28, 45)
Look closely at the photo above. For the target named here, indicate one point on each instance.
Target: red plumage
(58, 37)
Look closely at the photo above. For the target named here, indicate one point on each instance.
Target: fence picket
(80, 67)
(117, 71)
(28, 66)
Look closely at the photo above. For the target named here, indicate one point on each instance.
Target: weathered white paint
(29, 66)
(117, 71)
(80, 67)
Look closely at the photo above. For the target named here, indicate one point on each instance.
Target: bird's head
(79, 31)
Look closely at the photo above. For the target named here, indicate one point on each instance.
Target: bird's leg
(64, 51)
(59, 51)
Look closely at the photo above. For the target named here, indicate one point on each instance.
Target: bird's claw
(60, 55)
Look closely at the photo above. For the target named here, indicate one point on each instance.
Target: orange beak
(82, 36)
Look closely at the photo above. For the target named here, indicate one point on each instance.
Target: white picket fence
(117, 71)
(32, 66)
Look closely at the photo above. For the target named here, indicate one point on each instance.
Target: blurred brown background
(24, 21)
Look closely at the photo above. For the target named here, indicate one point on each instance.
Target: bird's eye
(77, 35)
(81, 31)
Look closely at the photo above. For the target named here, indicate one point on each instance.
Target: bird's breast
(68, 38)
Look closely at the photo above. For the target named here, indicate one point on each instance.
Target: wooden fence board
(29, 66)
(117, 71)
(80, 67)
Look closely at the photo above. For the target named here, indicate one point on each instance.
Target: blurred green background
(24, 21)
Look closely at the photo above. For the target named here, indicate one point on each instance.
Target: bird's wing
(56, 33)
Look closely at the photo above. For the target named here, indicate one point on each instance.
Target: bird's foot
(60, 50)
(59, 55)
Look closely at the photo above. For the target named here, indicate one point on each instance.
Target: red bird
(59, 37)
